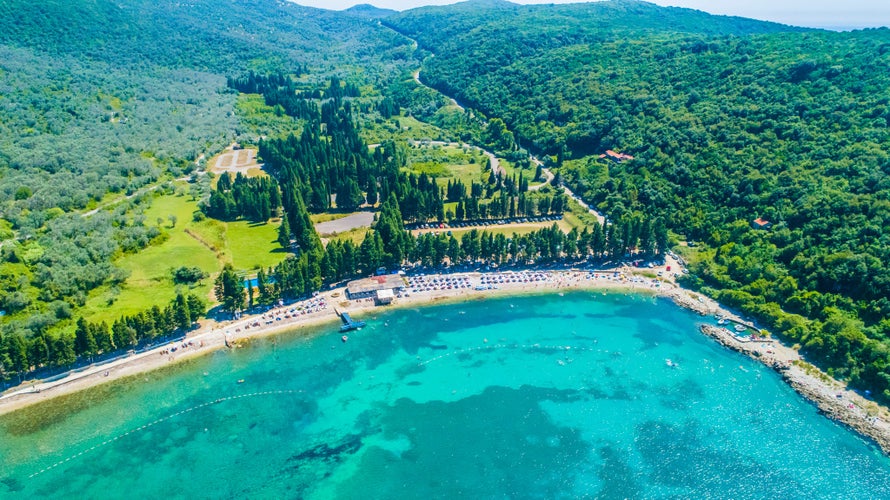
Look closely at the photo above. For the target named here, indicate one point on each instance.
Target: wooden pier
(349, 324)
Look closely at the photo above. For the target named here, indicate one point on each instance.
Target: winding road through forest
(495, 164)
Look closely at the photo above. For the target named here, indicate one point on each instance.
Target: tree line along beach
(833, 399)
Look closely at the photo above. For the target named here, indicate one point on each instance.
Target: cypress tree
(102, 334)
(371, 196)
(284, 233)
(229, 290)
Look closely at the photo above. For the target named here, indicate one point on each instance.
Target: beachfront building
(365, 288)
(384, 297)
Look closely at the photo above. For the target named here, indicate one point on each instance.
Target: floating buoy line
(161, 420)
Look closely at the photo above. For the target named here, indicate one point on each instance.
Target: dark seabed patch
(681, 397)
(617, 476)
(679, 456)
(493, 444)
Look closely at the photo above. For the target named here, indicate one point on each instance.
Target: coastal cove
(576, 381)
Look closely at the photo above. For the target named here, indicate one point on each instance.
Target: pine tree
(229, 290)
(197, 308)
(63, 354)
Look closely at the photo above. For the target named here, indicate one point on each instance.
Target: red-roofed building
(616, 157)
(760, 223)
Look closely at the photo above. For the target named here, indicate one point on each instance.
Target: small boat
(740, 328)
(241, 381)
(344, 338)
(670, 363)
(721, 321)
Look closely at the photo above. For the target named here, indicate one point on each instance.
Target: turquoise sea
(524, 397)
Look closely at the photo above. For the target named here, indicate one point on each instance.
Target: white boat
(670, 363)
(740, 328)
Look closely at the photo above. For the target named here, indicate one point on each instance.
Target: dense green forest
(728, 121)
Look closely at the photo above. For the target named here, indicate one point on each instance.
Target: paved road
(496, 165)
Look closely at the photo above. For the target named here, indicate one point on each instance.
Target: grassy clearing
(448, 163)
(401, 128)
(580, 220)
(258, 119)
(256, 172)
(578, 216)
(356, 236)
(693, 256)
(150, 282)
(326, 217)
(207, 244)
(251, 246)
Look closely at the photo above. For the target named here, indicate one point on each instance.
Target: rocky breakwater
(833, 399)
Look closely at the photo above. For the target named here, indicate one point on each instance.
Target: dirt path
(128, 197)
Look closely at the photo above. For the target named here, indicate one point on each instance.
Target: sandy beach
(832, 397)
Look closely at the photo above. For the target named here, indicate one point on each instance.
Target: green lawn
(251, 246)
(401, 128)
(326, 217)
(150, 282)
(448, 163)
(207, 244)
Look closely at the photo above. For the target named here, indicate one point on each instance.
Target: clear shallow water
(570, 397)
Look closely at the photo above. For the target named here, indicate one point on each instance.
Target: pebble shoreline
(848, 410)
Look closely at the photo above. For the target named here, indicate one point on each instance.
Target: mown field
(207, 244)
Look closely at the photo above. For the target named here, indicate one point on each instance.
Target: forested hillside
(120, 92)
(103, 104)
(728, 121)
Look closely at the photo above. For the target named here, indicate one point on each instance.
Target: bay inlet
(533, 396)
